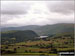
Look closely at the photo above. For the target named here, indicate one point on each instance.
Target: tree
(15, 49)
(6, 47)
(13, 40)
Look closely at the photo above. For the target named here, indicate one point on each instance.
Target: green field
(49, 46)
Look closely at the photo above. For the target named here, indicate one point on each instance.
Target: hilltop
(46, 29)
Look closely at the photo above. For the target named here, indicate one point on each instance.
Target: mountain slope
(55, 29)
(29, 27)
(18, 36)
(46, 29)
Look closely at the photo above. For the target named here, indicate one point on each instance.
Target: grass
(64, 49)
(32, 48)
(35, 54)
(30, 54)
(21, 43)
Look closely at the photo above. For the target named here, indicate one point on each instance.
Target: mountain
(29, 27)
(24, 33)
(55, 29)
(46, 29)
(18, 36)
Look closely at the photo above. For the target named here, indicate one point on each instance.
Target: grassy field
(49, 46)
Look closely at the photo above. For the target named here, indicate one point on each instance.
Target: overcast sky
(21, 13)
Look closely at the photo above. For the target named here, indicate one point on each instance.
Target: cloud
(21, 13)
(64, 7)
(14, 7)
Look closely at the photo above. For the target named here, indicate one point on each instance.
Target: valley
(47, 42)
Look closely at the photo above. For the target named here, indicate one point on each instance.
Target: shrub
(15, 49)
(18, 47)
(54, 50)
(40, 52)
(2, 51)
(9, 51)
(6, 47)
(26, 51)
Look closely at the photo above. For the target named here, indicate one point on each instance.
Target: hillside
(21, 34)
(50, 45)
(55, 29)
(17, 36)
(60, 38)
(46, 29)
(29, 27)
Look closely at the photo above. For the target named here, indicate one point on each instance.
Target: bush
(40, 52)
(2, 51)
(15, 49)
(9, 51)
(6, 47)
(18, 47)
(54, 50)
(26, 51)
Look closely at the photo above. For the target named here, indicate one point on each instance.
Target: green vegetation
(55, 29)
(46, 29)
(60, 42)
(11, 37)
(26, 42)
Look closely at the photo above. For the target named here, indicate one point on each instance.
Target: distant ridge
(46, 29)
(54, 29)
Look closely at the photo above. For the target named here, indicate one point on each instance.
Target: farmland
(42, 46)
(28, 42)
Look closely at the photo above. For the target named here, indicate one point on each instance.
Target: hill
(50, 45)
(17, 36)
(23, 41)
(55, 29)
(29, 27)
(46, 29)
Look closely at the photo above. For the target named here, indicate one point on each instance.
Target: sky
(22, 13)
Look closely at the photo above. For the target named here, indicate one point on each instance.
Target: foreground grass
(30, 54)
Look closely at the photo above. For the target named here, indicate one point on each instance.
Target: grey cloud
(11, 10)
(14, 7)
(9, 25)
(64, 7)
(5, 18)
